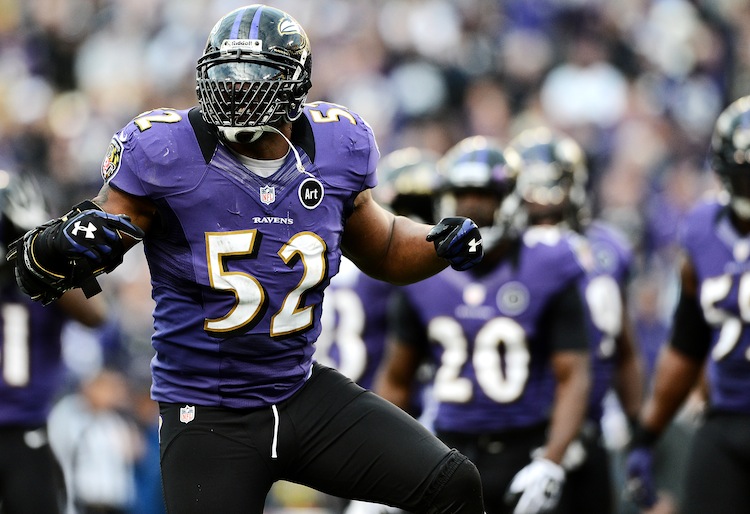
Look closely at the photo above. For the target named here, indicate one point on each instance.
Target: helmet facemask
(254, 76)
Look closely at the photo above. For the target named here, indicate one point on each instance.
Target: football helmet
(553, 176)
(730, 154)
(407, 181)
(254, 72)
(480, 165)
(22, 207)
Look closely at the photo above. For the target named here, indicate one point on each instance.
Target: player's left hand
(457, 240)
(537, 487)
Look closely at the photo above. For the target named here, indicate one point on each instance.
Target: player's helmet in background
(553, 176)
(254, 72)
(407, 182)
(480, 164)
(22, 207)
(730, 154)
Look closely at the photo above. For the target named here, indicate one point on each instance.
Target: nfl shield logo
(187, 413)
(267, 194)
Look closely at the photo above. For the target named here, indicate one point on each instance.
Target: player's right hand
(457, 240)
(96, 235)
(30, 282)
(70, 252)
(639, 485)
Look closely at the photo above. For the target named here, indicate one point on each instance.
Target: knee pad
(457, 488)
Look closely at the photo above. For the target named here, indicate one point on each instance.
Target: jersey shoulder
(555, 251)
(341, 142)
(700, 223)
(159, 151)
(612, 251)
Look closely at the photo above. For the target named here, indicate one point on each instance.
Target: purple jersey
(30, 361)
(354, 324)
(602, 290)
(239, 262)
(721, 258)
(487, 337)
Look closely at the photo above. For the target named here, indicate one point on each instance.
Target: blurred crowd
(638, 84)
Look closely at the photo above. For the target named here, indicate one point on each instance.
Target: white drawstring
(275, 441)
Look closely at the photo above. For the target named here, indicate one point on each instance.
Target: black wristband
(643, 436)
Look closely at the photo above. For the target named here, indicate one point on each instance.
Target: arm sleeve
(565, 319)
(691, 334)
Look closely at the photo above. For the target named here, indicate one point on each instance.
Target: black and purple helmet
(255, 69)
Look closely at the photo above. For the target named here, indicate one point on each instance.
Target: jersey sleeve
(346, 151)
(141, 157)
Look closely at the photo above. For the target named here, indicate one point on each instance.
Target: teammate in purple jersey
(508, 339)
(245, 205)
(31, 364)
(552, 186)
(709, 331)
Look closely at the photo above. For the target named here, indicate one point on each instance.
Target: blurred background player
(552, 187)
(709, 331)
(31, 366)
(508, 339)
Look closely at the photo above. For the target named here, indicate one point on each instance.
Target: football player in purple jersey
(709, 331)
(508, 338)
(552, 187)
(245, 205)
(31, 366)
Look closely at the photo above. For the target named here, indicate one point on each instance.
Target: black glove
(70, 252)
(457, 240)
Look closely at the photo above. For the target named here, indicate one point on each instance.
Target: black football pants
(30, 478)
(332, 436)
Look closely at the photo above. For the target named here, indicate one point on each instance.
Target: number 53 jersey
(239, 262)
(488, 335)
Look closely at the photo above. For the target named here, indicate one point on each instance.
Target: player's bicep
(368, 234)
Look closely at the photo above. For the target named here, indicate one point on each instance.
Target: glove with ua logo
(70, 252)
(457, 240)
